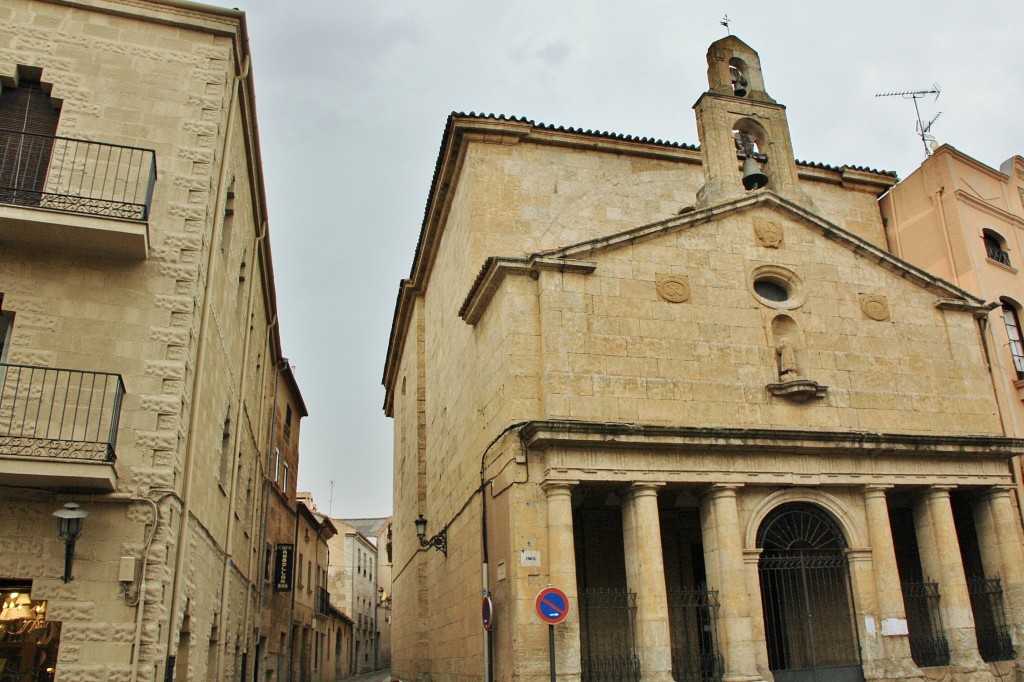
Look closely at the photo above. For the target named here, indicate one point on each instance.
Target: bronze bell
(753, 176)
(739, 83)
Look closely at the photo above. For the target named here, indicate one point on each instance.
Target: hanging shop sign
(283, 568)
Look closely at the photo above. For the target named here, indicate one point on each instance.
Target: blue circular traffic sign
(552, 605)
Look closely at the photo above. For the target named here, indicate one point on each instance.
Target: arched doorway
(805, 591)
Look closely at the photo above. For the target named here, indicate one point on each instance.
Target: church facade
(692, 389)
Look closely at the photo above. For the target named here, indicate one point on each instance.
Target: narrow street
(383, 675)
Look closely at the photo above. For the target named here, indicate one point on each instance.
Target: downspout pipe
(198, 385)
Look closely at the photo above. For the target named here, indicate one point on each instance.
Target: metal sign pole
(551, 649)
(552, 606)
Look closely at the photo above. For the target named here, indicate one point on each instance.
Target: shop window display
(28, 641)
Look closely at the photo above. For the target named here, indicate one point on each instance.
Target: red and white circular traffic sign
(552, 605)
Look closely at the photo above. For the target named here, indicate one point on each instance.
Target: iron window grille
(693, 625)
(928, 644)
(607, 636)
(994, 642)
(994, 249)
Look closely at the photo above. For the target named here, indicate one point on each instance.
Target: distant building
(318, 630)
(693, 389)
(360, 584)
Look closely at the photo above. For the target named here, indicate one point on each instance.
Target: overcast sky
(352, 98)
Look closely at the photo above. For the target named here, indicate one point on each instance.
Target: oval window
(771, 289)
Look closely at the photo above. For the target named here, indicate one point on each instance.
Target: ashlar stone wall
(161, 77)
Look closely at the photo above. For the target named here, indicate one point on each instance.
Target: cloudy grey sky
(352, 97)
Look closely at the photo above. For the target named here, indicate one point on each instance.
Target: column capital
(874, 490)
(643, 489)
(752, 556)
(717, 491)
(998, 491)
(555, 487)
(938, 491)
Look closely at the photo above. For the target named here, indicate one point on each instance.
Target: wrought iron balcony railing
(76, 176)
(323, 600)
(59, 413)
(996, 253)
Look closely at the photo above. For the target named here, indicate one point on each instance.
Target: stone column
(891, 610)
(941, 560)
(1003, 554)
(725, 565)
(755, 607)
(562, 574)
(645, 575)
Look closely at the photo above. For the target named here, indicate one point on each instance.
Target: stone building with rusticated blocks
(140, 347)
(692, 388)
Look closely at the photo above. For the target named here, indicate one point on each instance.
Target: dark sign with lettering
(283, 568)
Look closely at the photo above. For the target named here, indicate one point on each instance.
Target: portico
(793, 580)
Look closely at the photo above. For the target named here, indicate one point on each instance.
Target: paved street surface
(376, 676)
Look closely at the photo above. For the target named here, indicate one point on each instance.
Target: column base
(742, 677)
(661, 676)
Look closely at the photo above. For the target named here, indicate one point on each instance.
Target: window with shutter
(28, 123)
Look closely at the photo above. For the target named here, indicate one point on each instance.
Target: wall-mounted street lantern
(69, 526)
(438, 542)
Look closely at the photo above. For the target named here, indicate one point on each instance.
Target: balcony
(58, 427)
(323, 601)
(59, 192)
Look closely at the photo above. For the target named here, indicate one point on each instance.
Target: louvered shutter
(28, 123)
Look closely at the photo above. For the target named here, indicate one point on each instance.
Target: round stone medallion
(673, 288)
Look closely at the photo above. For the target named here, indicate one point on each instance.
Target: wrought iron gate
(607, 636)
(805, 590)
(693, 624)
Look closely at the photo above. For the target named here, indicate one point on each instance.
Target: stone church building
(693, 389)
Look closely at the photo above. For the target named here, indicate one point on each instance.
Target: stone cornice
(965, 306)
(177, 13)
(496, 269)
(541, 435)
(874, 181)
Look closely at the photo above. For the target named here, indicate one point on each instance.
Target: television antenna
(923, 129)
(330, 502)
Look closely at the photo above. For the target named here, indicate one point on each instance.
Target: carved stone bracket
(798, 390)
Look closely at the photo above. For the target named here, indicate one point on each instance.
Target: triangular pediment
(579, 257)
